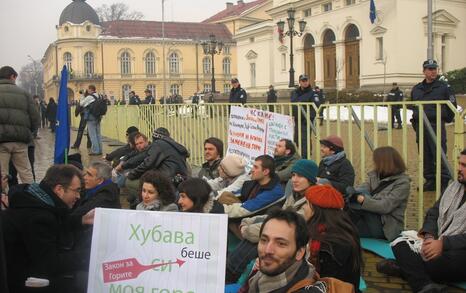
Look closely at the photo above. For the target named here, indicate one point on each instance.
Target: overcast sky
(27, 27)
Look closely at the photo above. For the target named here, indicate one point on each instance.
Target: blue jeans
(93, 127)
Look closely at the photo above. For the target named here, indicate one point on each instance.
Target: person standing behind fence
(51, 113)
(395, 95)
(319, 99)
(149, 100)
(237, 93)
(271, 97)
(134, 99)
(432, 89)
(302, 94)
(93, 122)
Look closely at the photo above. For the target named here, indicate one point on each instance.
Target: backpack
(99, 107)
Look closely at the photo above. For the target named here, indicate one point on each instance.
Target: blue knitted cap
(306, 168)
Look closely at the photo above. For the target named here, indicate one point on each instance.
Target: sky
(27, 27)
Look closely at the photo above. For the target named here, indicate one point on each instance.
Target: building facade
(341, 49)
(121, 56)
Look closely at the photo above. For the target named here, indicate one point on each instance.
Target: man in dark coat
(237, 93)
(134, 99)
(271, 97)
(395, 95)
(19, 119)
(37, 230)
(120, 152)
(213, 154)
(335, 168)
(149, 100)
(433, 89)
(302, 94)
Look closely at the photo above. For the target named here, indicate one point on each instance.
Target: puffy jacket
(18, 114)
(340, 173)
(238, 95)
(165, 156)
(390, 202)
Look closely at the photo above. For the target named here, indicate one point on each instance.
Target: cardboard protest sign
(157, 252)
(253, 132)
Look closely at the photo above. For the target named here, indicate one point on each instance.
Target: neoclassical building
(120, 56)
(341, 48)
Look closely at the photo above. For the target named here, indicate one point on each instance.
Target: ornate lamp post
(291, 32)
(212, 47)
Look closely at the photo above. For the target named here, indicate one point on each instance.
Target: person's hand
(432, 249)
(88, 219)
(119, 168)
(4, 201)
(104, 157)
(360, 198)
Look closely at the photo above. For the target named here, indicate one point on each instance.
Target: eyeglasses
(76, 190)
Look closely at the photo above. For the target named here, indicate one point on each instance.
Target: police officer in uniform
(302, 94)
(432, 89)
(237, 93)
(395, 95)
(319, 99)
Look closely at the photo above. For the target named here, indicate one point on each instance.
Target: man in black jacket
(432, 89)
(149, 100)
(395, 95)
(37, 230)
(237, 93)
(120, 152)
(335, 168)
(302, 94)
(442, 255)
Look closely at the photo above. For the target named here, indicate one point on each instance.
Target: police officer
(237, 93)
(432, 89)
(395, 95)
(302, 94)
(319, 99)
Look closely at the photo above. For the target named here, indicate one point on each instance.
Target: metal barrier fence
(362, 126)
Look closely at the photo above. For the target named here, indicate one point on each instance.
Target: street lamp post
(291, 33)
(212, 47)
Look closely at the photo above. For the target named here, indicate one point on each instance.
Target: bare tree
(117, 11)
(31, 78)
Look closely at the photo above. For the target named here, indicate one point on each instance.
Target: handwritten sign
(144, 251)
(253, 132)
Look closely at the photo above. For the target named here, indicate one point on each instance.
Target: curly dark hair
(161, 183)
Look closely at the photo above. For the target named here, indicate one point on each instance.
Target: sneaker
(388, 267)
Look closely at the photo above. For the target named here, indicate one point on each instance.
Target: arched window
(67, 59)
(207, 87)
(309, 41)
(151, 87)
(125, 63)
(352, 33)
(150, 63)
(175, 89)
(206, 65)
(174, 63)
(226, 64)
(89, 64)
(125, 89)
(329, 37)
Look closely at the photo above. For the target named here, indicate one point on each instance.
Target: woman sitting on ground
(157, 193)
(378, 206)
(334, 249)
(195, 197)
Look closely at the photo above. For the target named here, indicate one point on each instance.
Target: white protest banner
(157, 252)
(253, 132)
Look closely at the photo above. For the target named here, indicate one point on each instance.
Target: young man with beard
(213, 154)
(285, 156)
(438, 252)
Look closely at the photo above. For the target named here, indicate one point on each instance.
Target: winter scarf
(152, 206)
(92, 191)
(35, 190)
(333, 158)
(279, 160)
(452, 217)
(314, 248)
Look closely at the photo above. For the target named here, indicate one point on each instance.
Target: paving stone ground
(376, 282)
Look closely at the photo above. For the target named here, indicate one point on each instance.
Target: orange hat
(325, 196)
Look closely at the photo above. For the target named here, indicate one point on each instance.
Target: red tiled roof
(173, 30)
(235, 10)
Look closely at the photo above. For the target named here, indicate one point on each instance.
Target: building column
(340, 64)
(319, 56)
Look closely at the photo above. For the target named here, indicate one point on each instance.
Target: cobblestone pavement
(376, 282)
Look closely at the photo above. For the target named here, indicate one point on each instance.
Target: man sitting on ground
(438, 252)
(213, 154)
(117, 154)
(285, 156)
(335, 168)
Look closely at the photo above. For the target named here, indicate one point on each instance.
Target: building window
(251, 40)
(327, 7)
(226, 88)
(350, 2)
(175, 89)
(125, 89)
(89, 64)
(226, 50)
(307, 12)
(150, 63)
(66, 29)
(443, 53)
(226, 63)
(88, 28)
(206, 65)
(67, 59)
(252, 68)
(207, 87)
(174, 63)
(379, 48)
(125, 63)
(151, 87)
(283, 61)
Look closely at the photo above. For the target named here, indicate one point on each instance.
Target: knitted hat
(306, 168)
(333, 142)
(233, 165)
(217, 143)
(325, 196)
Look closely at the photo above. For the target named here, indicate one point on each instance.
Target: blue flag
(62, 130)
(373, 12)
